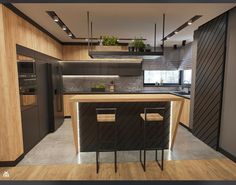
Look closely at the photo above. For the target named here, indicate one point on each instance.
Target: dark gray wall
(173, 59)
(228, 123)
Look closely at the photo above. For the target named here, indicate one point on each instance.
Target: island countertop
(125, 98)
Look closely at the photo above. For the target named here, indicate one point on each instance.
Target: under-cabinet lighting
(91, 76)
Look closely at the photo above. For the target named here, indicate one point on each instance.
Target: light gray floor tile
(58, 148)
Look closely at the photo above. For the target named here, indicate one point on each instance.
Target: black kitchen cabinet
(30, 127)
(43, 99)
(130, 69)
(101, 68)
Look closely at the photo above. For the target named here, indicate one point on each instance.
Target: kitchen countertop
(127, 92)
(125, 97)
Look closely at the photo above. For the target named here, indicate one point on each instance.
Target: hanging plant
(109, 41)
(139, 44)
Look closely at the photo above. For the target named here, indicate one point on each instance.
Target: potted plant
(131, 46)
(98, 88)
(109, 41)
(148, 48)
(139, 45)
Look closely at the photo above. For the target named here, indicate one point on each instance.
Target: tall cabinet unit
(47, 115)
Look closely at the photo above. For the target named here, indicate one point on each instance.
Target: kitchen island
(129, 107)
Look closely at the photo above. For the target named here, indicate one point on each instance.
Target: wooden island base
(129, 108)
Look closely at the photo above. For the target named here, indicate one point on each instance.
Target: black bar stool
(106, 116)
(155, 116)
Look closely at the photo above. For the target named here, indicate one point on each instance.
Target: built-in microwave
(26, 68)
(27, 83)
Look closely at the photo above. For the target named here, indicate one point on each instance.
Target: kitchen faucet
(186, 85)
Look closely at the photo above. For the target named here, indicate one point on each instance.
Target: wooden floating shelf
(122, 54)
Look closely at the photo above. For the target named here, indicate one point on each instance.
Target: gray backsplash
(121, 83)
(134, 83)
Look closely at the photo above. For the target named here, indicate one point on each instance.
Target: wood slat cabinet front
(185, 113)
(67, 104)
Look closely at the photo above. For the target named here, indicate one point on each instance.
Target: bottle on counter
(112, 86)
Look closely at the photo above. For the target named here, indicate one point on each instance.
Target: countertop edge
(147, 92)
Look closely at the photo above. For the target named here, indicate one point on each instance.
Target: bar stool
(156, 116)
(106, 116)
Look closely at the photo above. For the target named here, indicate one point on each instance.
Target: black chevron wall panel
(211, 43)
(130, 135)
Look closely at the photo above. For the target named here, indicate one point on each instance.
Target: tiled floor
(58, 148)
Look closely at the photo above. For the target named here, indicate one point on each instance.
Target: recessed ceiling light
(56, 19)
(64, 28)
(70, 34)
(186, 24)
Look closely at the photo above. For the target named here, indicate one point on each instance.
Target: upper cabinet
(121, 67)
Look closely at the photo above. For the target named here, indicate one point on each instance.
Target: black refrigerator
(55, 81)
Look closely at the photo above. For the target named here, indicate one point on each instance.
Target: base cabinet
(184, 118)
(30, 126)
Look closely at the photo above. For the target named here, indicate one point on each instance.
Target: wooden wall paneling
(211, 40)
(11, 141)
(75, 52)
(15, 30)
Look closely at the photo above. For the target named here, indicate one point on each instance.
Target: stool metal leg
(143, 147)
(156, 154)
(116, 140)
(115, 161)
(161, 165)
(97, 150)
(162, 148)
(97, 162)
(144, 155)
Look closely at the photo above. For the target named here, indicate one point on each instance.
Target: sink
(182, 93)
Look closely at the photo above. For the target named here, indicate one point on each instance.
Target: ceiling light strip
(186, 24)
(60, 23)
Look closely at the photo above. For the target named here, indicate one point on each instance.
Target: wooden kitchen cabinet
(67, 104)
(184, 118)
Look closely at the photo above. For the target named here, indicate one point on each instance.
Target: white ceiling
(123, 20)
